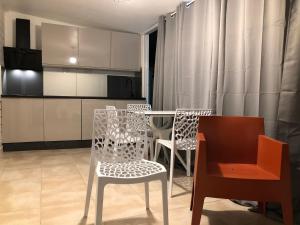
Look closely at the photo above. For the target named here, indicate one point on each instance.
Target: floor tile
(9, 174)
(28, 217)
(23, 162)
(11, 202)
(49, 188)
(83, 170)
(59, 170)
(54, 198)
(54, 160)
(67, 214)
(20, 186)
(82, 158)
(63, 183)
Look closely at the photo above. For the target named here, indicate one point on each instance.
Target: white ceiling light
(73, 60)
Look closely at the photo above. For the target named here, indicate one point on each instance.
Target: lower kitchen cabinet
(52, 119)
(62, 119)
(88, 107)
(22, 120)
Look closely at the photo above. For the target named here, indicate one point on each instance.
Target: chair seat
(130, 170)
(239, 171)
(184, 144)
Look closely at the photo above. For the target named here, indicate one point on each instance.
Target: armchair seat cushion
(239, 171)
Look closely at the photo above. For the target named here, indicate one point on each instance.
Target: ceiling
(124, 15)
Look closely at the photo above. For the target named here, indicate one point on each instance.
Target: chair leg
(89, 186)
(287, 211)
(262, 208)
(99, 202)
(172, 158)
(156, 151)
(188, 163)
(165, 199)
(166, 154)
(197, 209)
(192, 198)
(147, 194)
(151, 149)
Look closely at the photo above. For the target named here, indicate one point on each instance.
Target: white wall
(35, 28)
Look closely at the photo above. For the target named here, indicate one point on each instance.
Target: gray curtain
(238, 58)
(159, 65)
(164, 82)
(289, 103)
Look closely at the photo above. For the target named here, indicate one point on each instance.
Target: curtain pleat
(159, 65)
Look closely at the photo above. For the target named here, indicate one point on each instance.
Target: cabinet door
(125, 51)
(22, 120)
(59, 45)
(88, 107)
(94, 48)
(62, 118)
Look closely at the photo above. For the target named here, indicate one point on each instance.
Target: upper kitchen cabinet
(67, 46)
(125, 51)
(59, 45)
(94, 48)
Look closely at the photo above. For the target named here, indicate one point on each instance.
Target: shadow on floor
(236, 217)
(149, 220)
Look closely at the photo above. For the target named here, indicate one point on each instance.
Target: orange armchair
(235, 160)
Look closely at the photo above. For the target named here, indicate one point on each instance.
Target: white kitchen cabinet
(59, 45)
(125, 51)
(94, 48)
(22, 120)
(62, 119)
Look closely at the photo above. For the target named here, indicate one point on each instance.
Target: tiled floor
(48, 188)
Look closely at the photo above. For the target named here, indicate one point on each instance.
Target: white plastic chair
(117, 157)
(183, 138)
(143, 108)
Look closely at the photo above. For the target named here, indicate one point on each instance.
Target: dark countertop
(70, 97)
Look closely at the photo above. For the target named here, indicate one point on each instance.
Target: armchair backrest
(231, 139)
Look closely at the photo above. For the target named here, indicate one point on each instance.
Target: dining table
(160, 113)
(161, 132)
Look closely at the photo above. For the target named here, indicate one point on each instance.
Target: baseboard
(46, 145)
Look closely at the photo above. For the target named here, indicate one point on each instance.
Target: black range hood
(22, 57)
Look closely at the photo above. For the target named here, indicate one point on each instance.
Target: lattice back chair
(143, 108)
(183, 138)
(140, 107)
(117, 156)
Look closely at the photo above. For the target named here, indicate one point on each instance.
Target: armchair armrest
(201, 137)
(271, 154)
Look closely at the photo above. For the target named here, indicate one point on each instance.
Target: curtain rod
(186, 5)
